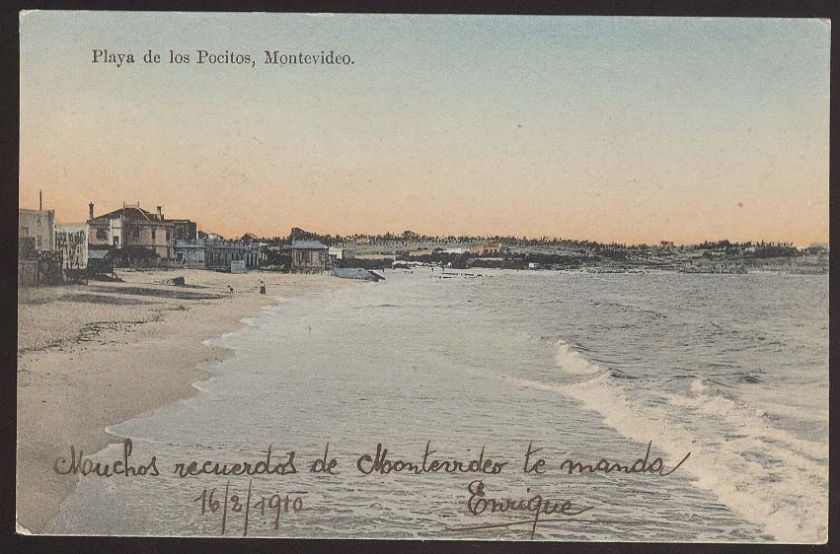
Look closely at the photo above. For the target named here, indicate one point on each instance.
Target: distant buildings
(309, 256)
(190, 254)
(492, 248)
(817, 248)
(184, 229)
(214, 253)
(137, 236)
(38, 263)
(341, 253)
(129, 236)
(36, 229)
(140, 235)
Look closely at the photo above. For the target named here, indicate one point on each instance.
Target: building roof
(307, 245)
(98, 254)
(138, 214)
(129, 212)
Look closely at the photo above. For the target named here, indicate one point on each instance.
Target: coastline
(92, 356)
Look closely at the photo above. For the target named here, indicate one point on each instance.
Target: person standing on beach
(262, 286)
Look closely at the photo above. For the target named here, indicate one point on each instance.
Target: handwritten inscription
(479, 503)
(263, 467)
(382, 465)
(233, 501)
(80, 465)
(642, 465)
(230, 502)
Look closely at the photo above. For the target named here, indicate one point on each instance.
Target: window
(168, 236)
(116, 241)
(153, 235)
(136, 233)
(101, 234)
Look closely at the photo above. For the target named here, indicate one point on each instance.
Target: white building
(341, 253)
(38, 225)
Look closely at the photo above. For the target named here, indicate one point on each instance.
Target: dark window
(101, 234)
(153, 235)
(168, 236)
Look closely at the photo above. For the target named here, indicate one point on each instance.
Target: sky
(592, 128)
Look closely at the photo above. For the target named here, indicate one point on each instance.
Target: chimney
(90, 206)
(40, 200)
(160, 213)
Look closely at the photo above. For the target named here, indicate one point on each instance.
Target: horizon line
(544, 238)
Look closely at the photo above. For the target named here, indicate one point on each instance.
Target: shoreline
(92, 356)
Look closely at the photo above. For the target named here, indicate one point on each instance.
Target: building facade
(184, 229)
(137, 236)
(341, 253)
(38, 225)
(214, 253)
(309, 256)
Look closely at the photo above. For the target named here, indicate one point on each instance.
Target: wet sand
(91, 356)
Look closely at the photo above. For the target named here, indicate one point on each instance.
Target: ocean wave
(621, 307)
(767, 475)
(572, 361)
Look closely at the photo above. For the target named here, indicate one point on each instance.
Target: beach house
(309, 256)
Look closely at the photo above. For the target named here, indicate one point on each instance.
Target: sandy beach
(90, 356)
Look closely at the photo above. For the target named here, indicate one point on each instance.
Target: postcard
(458, 277)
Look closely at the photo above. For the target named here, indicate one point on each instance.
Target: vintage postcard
(449, 277)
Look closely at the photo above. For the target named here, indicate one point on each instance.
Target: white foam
(744, 418)
(572, 361)
(792, 506)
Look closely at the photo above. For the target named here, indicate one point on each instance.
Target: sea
(477, 365)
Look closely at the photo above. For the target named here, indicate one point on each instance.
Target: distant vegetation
(513, 252)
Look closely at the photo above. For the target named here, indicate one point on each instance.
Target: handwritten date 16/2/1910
(229, 502)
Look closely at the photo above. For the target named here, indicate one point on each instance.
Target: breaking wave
(767, 475)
